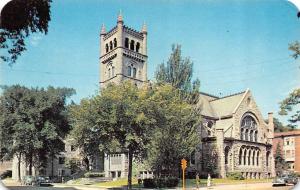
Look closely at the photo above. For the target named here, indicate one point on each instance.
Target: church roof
(213, 106)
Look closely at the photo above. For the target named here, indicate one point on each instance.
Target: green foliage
(19, 19)
(210, 160)
(32, 118)
(161, 182)
(280, 164)
(287, 105)
(295, 47)
(94, 174)
(178, 72)
(175, 136)
(120, 118)
(235, 176)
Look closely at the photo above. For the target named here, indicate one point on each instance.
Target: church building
(232, 128)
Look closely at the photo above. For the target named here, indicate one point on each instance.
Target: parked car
(29, 180)
(285, 180)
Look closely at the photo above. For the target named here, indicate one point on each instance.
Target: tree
(280, 164)
(19, 19)
(287, 105)
(175, 136)
(121, 121)
(33, 122)
(279, 127)
(293, 100)
(178, 72)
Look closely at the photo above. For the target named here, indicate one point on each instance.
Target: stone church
(235, 137)
(233, 127)
(234, 134)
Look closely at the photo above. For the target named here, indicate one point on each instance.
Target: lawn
(117, 183)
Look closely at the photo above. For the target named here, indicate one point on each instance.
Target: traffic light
(183, 164)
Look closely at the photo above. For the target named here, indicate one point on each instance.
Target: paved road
(257, 186)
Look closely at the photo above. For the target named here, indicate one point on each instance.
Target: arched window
(227, 149)
(110, 45)
(255, 136)
(132, 45)
(257, 158)
(113, 71)
(109, 73)
(242, 134)
(134, 72)
(249, 156)
(253, 158)
(126, 43)
(193, 161)
(137, 48)
(129, 71)
(245, 154)
(240, 156)
(106, 47)
(246, 134)
(251, 135)
(209, 126)
(115, 43)
(267, 158)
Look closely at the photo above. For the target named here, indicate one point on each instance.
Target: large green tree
(118, 120)
(175, 136)
(178, 71)
(280, 164)
(19, 19)
(33, 122)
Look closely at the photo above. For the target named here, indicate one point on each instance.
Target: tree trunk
(19, 167)
(52, 166)
(130, 157)
(30, 165)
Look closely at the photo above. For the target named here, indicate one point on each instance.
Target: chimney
(271, 125)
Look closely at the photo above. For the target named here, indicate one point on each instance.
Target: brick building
(290, 146)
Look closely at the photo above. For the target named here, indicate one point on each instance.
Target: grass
(189, 182)
(117, 183)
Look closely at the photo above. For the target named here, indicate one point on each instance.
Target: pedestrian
(197, 181)
(208, 180)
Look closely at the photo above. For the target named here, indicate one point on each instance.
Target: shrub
(235, 176)
(161, 182)
(93, 174)
(149, 183)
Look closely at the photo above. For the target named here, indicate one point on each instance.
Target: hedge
(161, 182)
(93, 174)
(235, 176)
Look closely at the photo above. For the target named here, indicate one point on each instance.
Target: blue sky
(234, 44)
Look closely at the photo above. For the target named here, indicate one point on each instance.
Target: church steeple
(120, 17)
(144, 28)
(103, 30)
(123, 54)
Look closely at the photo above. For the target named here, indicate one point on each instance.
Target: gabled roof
(217, 107)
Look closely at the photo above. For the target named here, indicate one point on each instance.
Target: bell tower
(123, 54)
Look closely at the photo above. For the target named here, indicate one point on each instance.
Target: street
(256, 186)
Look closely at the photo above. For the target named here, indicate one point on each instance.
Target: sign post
(183, 167)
